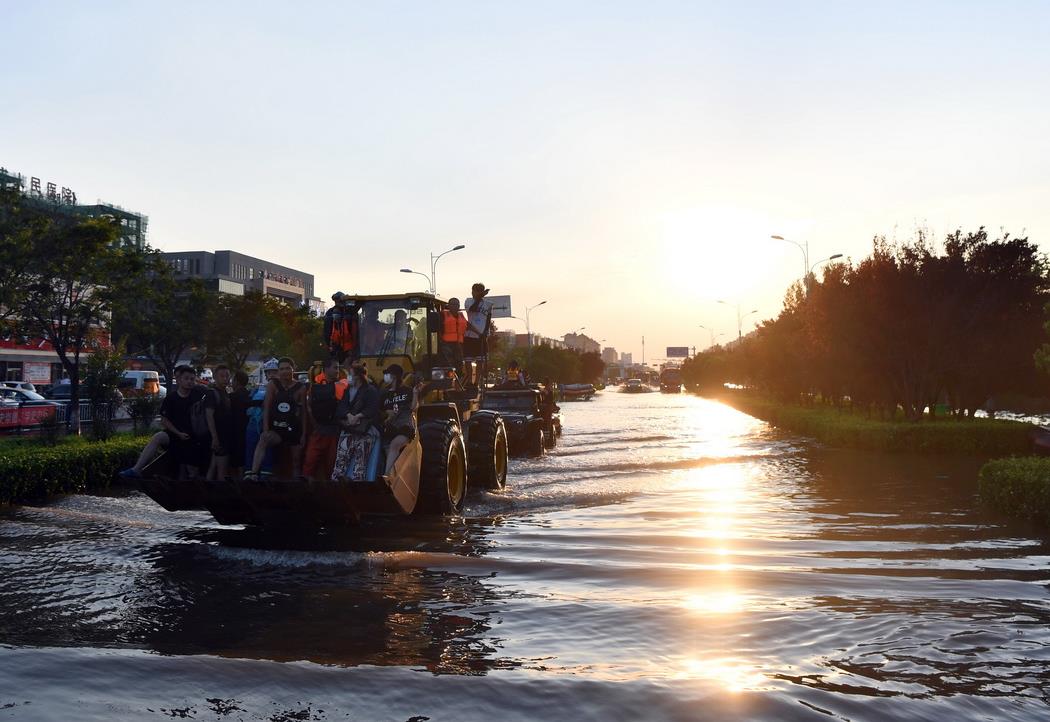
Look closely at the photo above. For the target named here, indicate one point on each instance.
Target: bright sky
(625, 162)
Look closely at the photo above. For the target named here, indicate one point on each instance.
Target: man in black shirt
(176, 416)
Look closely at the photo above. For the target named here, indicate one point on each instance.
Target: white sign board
(500, 305)
(36, 372)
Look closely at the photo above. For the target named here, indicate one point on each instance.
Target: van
(141, 382)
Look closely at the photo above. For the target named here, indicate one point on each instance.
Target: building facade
(63, 202)
(609, 355)
(582, 343)
(235, 273)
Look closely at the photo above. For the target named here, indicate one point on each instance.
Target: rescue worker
(283, 418)
(515, 376)
(322, 401)
(341, 328)
(453, 328)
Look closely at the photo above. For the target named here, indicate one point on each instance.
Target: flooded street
(671, 559)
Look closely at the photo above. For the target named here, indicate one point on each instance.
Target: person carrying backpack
(322, 401)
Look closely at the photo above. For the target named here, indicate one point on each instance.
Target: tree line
(67, 280)
(911, 326)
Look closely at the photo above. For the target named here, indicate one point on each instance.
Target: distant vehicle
(671, 381)
(20, 408)
(62, 392)
(24, 385)
(577, 392)
(635, 386)
(138, 383)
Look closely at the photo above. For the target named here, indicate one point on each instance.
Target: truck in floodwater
(671, 381)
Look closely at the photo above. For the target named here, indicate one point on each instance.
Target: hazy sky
(626, 162)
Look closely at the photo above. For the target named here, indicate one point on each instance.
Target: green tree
(18, 226)
(163, 318)
(239, 326)
(104, 370)
(76, 272)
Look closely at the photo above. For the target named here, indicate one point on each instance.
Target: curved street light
(528, 327)
(824, 260)
(433, 266)
(409, 270)
(739, 318)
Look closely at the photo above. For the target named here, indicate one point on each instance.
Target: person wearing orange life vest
(453, 329)
(341, 328)
(322, 401)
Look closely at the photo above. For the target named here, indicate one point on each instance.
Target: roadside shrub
(143, 409)
(1018, 486)
(30, 471)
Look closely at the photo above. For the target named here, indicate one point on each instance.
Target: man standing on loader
(479, 324)
(341, 329)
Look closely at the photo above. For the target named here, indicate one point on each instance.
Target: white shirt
(478, 317)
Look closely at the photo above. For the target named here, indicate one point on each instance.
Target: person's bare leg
(268, 439)
(396, 445)
(159, 441)
(297, 461)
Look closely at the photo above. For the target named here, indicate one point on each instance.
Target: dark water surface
(672, 559)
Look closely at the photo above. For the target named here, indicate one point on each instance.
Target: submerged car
(529, 429)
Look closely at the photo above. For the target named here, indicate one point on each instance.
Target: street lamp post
(804, 247)
(432, 278)
(409, 270)
(824, 260)
(433, 266)
(528, 327)
(739, 318)
(712, 334)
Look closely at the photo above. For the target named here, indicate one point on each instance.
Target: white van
(142, 382)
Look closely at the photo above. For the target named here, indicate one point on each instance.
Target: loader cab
(397, 329)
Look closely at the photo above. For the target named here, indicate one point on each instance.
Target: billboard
(677, 352)
(500, 305)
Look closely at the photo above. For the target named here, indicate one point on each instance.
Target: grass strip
(1018, 486)
(834, 427)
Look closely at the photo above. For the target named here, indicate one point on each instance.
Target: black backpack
(199, 416)
(323, 403)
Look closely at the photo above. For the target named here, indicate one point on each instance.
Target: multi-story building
(609, 355)
(236, 273)
(24, 358)
(582, 343)
(627, 359)
(63, 201)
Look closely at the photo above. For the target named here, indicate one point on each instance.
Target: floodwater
(671, 559)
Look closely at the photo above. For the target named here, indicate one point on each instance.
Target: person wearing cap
(399, 411)
(341, 328)
(479, 323)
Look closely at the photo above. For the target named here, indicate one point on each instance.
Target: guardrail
(30, 418)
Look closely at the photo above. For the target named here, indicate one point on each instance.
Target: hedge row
(986, 437)
(29, 471)
(1018, 486)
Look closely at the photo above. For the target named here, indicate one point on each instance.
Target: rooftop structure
(235, 273)
(63, 201)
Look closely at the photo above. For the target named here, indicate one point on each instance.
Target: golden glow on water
(716, 602)
(733, 674)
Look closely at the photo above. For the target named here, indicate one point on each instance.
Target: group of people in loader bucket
(335, 427)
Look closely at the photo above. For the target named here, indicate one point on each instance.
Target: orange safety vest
(453, 326)
(340, 386)
(342, 335)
